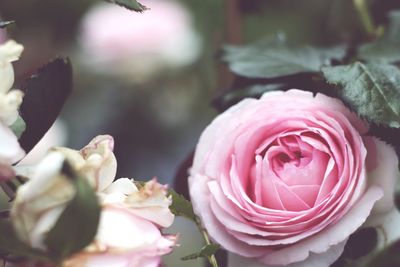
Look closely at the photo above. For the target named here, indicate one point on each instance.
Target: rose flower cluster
(132, 215)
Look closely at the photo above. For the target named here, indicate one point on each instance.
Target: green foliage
(10, 243)
(130, 4)
(77, 225)
(276, 58)
(18, 127)
(232, 97)
(181, 206)
(373, 90)
(205, 252)
(386, 49)
(46, 91)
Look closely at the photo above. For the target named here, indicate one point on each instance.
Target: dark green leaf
(372, 90)
(9, 243)
(389, 257)
(181, 206)
(130, 4)
(77, 225)
(232, 97)
(45, 94)
(386, 49)
(18, 127)
(206, 251)
(275, 58)
(4, 24)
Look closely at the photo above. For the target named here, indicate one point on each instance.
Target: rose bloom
(130, 43)
(131, 220)
(129, 232)
(286, 179)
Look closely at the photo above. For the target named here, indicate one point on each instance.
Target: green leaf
(77, 225)
(18, 127)
(205, 252)
(386, 49)
(10, 243)
(389, 257)
(4, 24)
(372, 90)
(45, 94)
(232, 97)
(130, 4)
(276, 58)
(181, 206)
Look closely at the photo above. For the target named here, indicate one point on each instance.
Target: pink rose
(129, 232)
(129, 42)
(284, 180)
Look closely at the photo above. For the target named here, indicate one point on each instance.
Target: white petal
(123, 185)
(10, 150)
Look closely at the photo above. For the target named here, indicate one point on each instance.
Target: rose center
(291, 172)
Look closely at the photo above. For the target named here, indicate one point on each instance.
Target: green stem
(365, 16)
(212, 260)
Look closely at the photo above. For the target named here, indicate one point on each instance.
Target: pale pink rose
(149, 201)
(284, 180)
(124, 239)
(129, 233)
(118, 39)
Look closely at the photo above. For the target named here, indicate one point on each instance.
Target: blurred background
(148, 78)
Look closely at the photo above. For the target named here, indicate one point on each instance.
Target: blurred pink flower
(114, 36)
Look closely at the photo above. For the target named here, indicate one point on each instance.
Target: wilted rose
(286, 179)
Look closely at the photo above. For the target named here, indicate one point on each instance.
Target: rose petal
(324, 259)
(385, 175)
(334, 234)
